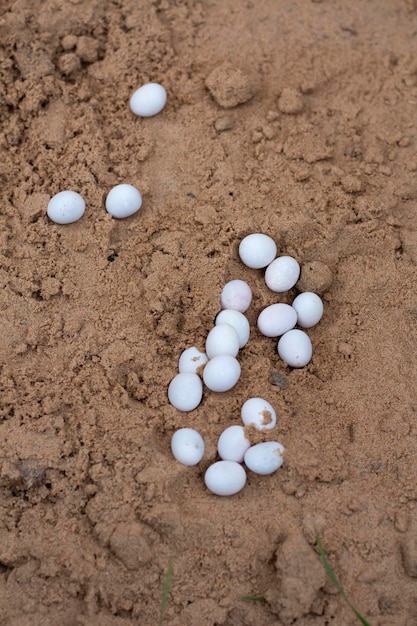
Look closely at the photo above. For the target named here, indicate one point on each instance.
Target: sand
(292, 118)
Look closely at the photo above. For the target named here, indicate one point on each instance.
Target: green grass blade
(335, 581)
(165, 591)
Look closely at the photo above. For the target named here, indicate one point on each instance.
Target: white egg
(295, 348)
(264, 458)
(148, 100)
(123, 200)
(277, 319)
(185, 391)
(260, 413)
(233, 444)
(187, 446)
(221, 373)
(282, 274)
(309, 308)
(222, 339)
(236, 295)
(191, 360)
(66, 207)
(257, 250)
(239, 322)
(225, 478)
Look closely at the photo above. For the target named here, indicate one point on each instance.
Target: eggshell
(185, 391)
(233, 444)
(187, 446)
(264, 458)
(225, 478)
(260, 413)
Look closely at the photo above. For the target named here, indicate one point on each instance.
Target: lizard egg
(236, 295)
(233, 444)
(191, 360)
(277, 319)
(123, 200)
(185, 391)
(264, 458)
(282, 274)
(221, 373)
(257, 250)
(309, 308)
(187, 446)
(295, 348)
(260, 413)
(222, 339)
(148, 100)
(66, 207)
(225, 478)
(239, 322)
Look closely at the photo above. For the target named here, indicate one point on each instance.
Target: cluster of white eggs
(258, 251)
(219, 369)
(228, 476)
(123, 200)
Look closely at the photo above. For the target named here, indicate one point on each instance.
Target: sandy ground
(292, 118)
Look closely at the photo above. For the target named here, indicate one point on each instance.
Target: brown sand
(294, 118)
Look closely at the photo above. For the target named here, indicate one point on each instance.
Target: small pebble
(221, 373)
(148, 100)
(257, 250)
(236, 295)
(185, 391)
(295, 348)
(191, 360)
(264, 458)
(123, 200)
(309, 309)
(66, 207)
(187, 446)
(225, 478)
(222, 339)
(277, 319)
(282, 274)
(233, 444)
(259, 413)
(239, 322)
